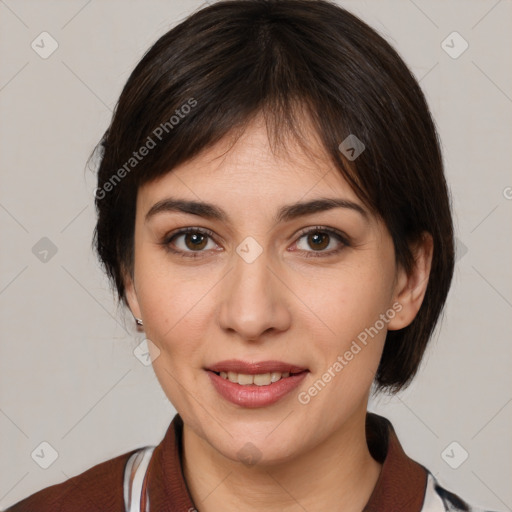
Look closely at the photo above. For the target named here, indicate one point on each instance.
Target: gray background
(67, 372)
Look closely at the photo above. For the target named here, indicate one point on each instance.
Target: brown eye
(317, 239)
(189, 242)
(195, 241)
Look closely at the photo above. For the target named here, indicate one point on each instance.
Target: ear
(410, 288)
(131, 295)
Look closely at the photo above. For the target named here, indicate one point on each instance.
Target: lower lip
(253, 396)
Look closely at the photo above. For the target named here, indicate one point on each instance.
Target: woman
(272, 208)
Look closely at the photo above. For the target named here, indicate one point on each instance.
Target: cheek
(346, 355)
(176, 313)
(347, 334)
(345, 303)
(169, 293)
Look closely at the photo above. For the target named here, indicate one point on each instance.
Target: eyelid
(342, 237)
(169, 237)
(324, 229)
(189, 229)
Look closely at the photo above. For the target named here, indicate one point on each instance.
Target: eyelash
(308, 254)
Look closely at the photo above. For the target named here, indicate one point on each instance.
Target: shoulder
(405, 484)
(97, 489)
(439, 499)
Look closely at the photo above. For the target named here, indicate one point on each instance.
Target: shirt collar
(402, 481)
(399, 488)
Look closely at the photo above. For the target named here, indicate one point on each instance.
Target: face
(298, 296)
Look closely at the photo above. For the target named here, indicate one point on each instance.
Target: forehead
(250, 167)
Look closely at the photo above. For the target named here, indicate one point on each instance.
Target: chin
(258, 451)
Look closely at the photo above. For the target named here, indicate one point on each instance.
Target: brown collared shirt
(151, 479)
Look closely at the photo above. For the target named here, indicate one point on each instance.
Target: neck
(337, 474)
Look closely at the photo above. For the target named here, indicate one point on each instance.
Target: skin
(283, 306)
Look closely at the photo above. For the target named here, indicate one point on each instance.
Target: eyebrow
(285, 213)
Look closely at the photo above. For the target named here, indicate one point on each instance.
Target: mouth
(255, 384)
(260, 379)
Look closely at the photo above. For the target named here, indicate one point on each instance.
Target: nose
(255, 301)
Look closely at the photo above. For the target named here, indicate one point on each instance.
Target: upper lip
(254, 368)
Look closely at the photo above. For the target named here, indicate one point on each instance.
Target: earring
(138, 321)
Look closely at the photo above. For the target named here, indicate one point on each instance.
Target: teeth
(275, 376)
(261, 379)
(244, 380)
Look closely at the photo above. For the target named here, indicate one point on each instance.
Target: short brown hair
(285, 59)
